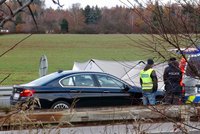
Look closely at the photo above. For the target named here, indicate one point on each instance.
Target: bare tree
(8, 12)
(172, 25)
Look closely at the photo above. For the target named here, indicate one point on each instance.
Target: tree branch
(9, 17)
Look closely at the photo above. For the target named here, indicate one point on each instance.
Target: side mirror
(126, 88)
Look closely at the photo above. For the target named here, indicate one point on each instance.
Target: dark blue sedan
(64, 89)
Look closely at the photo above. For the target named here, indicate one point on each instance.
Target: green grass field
(62, 50)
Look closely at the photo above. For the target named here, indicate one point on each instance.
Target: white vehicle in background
(191, 76)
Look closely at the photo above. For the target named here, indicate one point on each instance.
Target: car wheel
(60, 105)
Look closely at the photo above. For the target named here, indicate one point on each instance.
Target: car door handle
(106, 91)
(74, 91)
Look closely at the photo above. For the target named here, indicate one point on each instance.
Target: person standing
(172, 78)
(149, 83)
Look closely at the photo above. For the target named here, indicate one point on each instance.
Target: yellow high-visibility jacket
(147, 82)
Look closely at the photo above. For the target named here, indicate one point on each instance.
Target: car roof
(64, 72)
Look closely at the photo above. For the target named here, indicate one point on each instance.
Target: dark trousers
(174, 98)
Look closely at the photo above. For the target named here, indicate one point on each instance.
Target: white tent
(125, 70)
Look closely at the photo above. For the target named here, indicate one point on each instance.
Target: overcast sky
(99, 3)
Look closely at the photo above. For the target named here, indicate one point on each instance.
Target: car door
(83, 90)
(114, 93)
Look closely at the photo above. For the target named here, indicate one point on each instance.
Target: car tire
(60, 105)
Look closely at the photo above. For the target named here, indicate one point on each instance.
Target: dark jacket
(172, 77)
(153, 76)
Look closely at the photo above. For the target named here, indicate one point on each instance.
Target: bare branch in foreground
(15, 45)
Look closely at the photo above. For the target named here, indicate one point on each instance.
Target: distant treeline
(95, 20)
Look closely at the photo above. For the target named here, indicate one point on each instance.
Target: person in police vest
(172, 78)
(149, 83)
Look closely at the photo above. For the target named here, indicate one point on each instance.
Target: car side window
(107, 81)
(67, 81)
(193, 67)
(81, 80)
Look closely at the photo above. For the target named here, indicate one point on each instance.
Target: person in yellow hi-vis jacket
(149, 83)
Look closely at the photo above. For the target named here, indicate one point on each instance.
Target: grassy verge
(62, 50)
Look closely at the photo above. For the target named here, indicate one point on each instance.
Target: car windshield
(193, 67)
(42, 80)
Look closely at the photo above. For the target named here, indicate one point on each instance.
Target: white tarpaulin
(125, 70)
